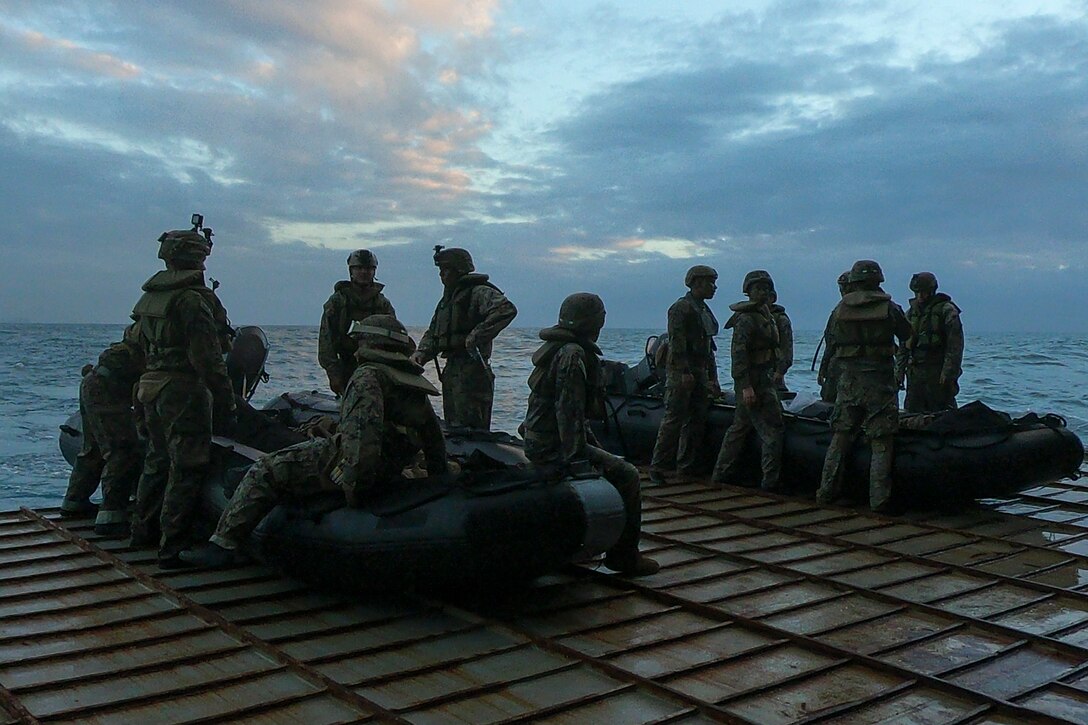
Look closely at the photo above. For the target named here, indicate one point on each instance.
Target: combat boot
(639, 565)
(78, 509)
(212, 556)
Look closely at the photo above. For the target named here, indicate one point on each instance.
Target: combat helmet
(582, 312)
(184, 245)
(383, 332)
(923, 282)
(699, 270)
(362, 258)
(454, 257)
(866, 271)
(756, 275)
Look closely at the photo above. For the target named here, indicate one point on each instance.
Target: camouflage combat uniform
(385, 420)
(348, 303)
(935, 351)
(830, 369)
(692, 327)
(563, 392)
(111, 452)
(184, 386)
(476, 310)
(785, 345)
(754, 354)
(861, 336)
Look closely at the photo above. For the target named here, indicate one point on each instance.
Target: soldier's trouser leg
(880, 472)
(767, 420)
(831, 476)
(123, 457)
(732, 443)
(153, 479)
(186, 412)
(87, 470)
(691, 434)
(845, 422)
(624, 477)
(677, 412)
(468, 392)
(294, 471)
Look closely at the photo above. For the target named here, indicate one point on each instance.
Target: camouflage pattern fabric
(184, 387)
(765, 418)
(335, 347)
(785, 343)
(471, 314)
(864, 327)
(680, 435)
(110, 453)
(828, 375)
(179, 429)
(555, 426)
(754, 356)
(934, 351)
(383, 425)
(292, 472)
(691, 331)
(468, 393)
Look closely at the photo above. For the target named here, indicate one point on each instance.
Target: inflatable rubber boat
(941, 460)
(497, 521)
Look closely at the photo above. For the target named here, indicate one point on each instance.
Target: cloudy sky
(570, 144)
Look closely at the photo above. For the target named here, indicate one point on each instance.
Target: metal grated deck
(767, 610)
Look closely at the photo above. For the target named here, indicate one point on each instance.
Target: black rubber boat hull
(931, 469)
(496, 524)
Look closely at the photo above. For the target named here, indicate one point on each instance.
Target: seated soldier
(564, 391)
(385, 420)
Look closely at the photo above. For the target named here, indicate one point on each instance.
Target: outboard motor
(246, 359)
(648, 372)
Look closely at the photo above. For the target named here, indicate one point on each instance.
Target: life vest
(863, 327)
(928, 328)
(453, 318)
(763, 345)
(165, 343)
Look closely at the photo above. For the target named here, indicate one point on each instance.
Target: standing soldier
(385, 420)
(184, 390)
(564, 389)
(931, 361)
(785, 342)
(470, 314)
(353, 299)
(691, 378)
(111, 453)
(863, 330)
(754, 353)
(828, 377)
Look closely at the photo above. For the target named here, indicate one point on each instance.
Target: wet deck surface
(767, 610)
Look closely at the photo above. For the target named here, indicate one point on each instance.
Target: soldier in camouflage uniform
(184, 391)
(385, 420)
(111, 453)
(691, 378)
(828, 377)
(352, 300)
(470, 314)
(754, 353)
(785, 342)
(564, 390)
(931, 362)
(861, 336)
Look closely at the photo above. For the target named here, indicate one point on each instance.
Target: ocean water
(40, 364)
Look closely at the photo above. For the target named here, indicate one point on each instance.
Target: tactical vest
(357, 305)
(165, 344)
(453, 318)
(863, 327)
(929, 333)
(541, 385)
(763, 345)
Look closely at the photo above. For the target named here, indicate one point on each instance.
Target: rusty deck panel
(767, 610)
